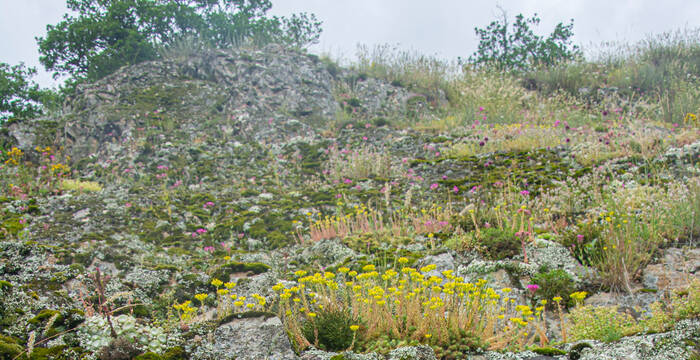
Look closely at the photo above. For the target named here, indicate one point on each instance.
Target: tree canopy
(104, 35)
(519, 48)
(19, 96)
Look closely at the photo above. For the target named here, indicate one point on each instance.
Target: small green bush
(499, 244)
(553, 283)
(330, 330)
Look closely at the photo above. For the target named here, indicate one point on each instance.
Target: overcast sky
(444, 28)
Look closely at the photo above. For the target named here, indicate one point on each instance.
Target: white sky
(444, 28)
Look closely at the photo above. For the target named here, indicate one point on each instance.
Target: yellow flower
(222, 291)
(343, 270)
(368, 267)
(300, 273)
(217, 282)
(249, 306)
(557, 298)
(311, 314)
(201, 297)
(403, 260)
(428, 336)
(354, 327)
(579, 295)
(238, 303)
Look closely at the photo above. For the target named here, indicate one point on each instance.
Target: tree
(108, 34)
(19, 96)
(520, 49)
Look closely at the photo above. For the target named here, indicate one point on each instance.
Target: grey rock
(675, 269)
(663, 346)
(326, 253)
(555, 256)
(248, 339)
(422, 352)
(442, 262)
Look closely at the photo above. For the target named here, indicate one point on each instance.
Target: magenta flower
(347, 181)
(524, 193)
(433, 186)
(533, 287)
(455, 189)
(201, 231)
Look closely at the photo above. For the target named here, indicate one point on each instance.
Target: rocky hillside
(222, 173)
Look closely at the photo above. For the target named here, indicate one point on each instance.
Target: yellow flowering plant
(414, 305)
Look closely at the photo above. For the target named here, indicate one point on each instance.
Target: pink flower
(524, 193)
(481, 108)
(364, 138)
(579, 238)
(367, 126)
(533, 287)
(209, 249)
(347, 181)
(127, 205)
(455, 189)
(433, 186)
(201, 231)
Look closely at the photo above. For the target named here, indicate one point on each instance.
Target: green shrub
(499, 244)
(553, 283)
(330, 330)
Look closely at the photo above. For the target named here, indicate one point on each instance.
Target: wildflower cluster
(14, 156)
(412, 304)
(363, 220)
